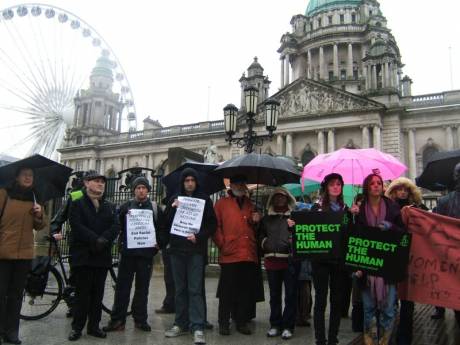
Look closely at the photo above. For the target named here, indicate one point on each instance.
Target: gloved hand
(385, 225)
(101, 243)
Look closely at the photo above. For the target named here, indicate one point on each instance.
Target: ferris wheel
(46, 57)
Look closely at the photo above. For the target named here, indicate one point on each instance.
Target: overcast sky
(177, 53)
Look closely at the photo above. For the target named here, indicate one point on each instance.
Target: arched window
(307, 155)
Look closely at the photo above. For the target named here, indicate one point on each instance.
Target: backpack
(37, 277)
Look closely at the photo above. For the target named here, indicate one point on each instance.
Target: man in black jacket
(94, 226)
(136, 258)
(187, 261)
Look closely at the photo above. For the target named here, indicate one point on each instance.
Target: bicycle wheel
(109, 292)
(37, 307)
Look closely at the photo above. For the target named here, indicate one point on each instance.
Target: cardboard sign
(377, 252)
(434, 262)
(188, 217)
(140, 229)
(318, 234)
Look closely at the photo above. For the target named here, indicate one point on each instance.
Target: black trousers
(89, 292)
(236, 292)
(327, 277)
(406, 321)
(13, 275)
(131, 267)
(168, 302)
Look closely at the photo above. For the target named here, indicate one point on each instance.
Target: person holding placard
(282, 269)
(191, 219)
(377, 211)
(328, 274)
(142, 232)
(236, 238)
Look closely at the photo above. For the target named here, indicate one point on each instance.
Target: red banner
(434, 261)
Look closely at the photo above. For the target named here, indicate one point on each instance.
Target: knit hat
(141, 180)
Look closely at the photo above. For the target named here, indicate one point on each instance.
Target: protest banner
(381, 253)
(189, 213)
(318, 234)
(434, 262)
(140, 229)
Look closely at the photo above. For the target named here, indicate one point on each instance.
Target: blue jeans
(187, 272)
(387, 313)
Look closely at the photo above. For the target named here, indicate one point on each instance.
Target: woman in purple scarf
(378, 294)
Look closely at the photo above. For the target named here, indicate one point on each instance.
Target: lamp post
(250, 137)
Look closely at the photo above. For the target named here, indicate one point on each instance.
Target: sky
(183, 58)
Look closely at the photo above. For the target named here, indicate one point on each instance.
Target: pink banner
(434, 261)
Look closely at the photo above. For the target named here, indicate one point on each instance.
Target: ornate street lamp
(250, 137)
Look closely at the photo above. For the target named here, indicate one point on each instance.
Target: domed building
(342, 85)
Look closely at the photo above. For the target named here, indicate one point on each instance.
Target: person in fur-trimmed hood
(404, 192)
(275, 239)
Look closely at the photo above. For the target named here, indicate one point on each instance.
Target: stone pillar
(365, 137)
(412, 154)
(395, 77)
(388, 75)
(309, 70)
(376, 137)
(384, 75)
(374, 77)
(282, 72)
(320, 141)
(458, 137)
(369, 77)
(330, 141)
(336, 61)
(280, 144)
(120, 164)
(449, 138)
(286, 70)
(350, 61)
(102, 166)
(126, 163)
(321, 63)
(289, 151)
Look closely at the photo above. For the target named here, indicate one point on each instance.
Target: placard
(382, 253)
(188, 217)
(140, 229)
(318, 234)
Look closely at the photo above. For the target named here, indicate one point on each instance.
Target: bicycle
(58, 288)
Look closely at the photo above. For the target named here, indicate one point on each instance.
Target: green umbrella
(296, 188)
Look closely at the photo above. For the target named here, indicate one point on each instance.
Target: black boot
(114, 325)
(74, 335)
(98, 333)
(438, 313)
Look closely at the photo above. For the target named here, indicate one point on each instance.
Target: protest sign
(434, 262)
(318, 234)
(381, 253)
(140, 229)
(187, 220)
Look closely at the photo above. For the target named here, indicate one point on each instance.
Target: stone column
(321, 63)
(458, 137)
(286, 70)
(331, 140)
(289, 151)
(336, 61)
(449, 138)
(309, 71)
(395, 77)
(102, 166)
(320, 141)
(384, 75)
(365, 137)
(412, 154)
(369, 77)
(120, 164)
(126, 163)
(374, 77)
(376, 137)
(350, 62)
(282, 72)
(280, 144)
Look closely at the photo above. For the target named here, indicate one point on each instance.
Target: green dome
(315, 6)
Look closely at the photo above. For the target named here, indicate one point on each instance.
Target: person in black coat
(94, 226)
(136, 261)
(187, 261)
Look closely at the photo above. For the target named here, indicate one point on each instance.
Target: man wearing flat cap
(236, 239)
(136, 255)
(94, 226)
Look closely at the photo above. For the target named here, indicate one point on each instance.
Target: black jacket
(179, 244)
(158, 220)
(87, 225)
(449, 205)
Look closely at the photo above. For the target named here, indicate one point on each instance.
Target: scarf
(23, 194)
(335, 206)
(377, 286)
(94, 197)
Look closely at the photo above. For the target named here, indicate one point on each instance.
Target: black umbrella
(208, 181)
(50, 177)
(261, 169)
(439, 171)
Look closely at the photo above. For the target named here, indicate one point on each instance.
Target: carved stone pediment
(308, 97)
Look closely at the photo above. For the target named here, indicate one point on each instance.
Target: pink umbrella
(354, 165)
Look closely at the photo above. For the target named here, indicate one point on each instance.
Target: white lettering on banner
(140, 229)
(188, 217)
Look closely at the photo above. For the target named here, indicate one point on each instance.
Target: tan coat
(16, 228)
